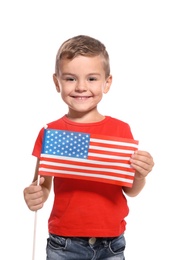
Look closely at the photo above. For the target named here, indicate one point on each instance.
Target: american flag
(87, 156)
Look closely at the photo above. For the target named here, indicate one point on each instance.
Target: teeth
(80, 98)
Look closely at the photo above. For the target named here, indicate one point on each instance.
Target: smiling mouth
(81, 98)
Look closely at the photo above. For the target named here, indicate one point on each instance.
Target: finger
(34, 199)
(142, 158)
(41, 180)
(142, 168)
(35, 204)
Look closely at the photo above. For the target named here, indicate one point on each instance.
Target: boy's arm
(143, 163)
(35, 195)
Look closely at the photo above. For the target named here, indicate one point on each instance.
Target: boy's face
(82, 82)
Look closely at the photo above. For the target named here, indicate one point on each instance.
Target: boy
(87, 218)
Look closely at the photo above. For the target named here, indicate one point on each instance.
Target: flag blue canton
(66, 143)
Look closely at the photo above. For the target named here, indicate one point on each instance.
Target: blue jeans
(63, 248)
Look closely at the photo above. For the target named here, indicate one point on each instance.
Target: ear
(56, 82)
(107, 84)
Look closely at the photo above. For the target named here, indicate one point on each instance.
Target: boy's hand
(142, 162)
(33, 195)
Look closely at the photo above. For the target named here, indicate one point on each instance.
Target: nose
(81, 86)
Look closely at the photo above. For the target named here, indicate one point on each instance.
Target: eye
(70, 79)
(92, 79)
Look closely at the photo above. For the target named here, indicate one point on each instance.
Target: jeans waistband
(93, 240)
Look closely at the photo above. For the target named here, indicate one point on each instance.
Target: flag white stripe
(110, 149)
(87, 168)
(88, 161)
(108, 156)
(113, 142)
(87, 175)
(90, 155)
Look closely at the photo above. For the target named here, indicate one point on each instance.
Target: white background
(139, 39)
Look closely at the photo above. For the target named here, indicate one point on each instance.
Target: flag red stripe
(91, 160)
(114, 139)
(114, 153)
(102, 159)
(45, 168)
(87, 164)
(110, 181)
(122, 147)
(101, 170)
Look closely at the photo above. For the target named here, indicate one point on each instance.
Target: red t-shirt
(87, 208)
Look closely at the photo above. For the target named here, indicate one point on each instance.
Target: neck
(85, 117)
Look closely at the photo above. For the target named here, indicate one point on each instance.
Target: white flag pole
(35, 227)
